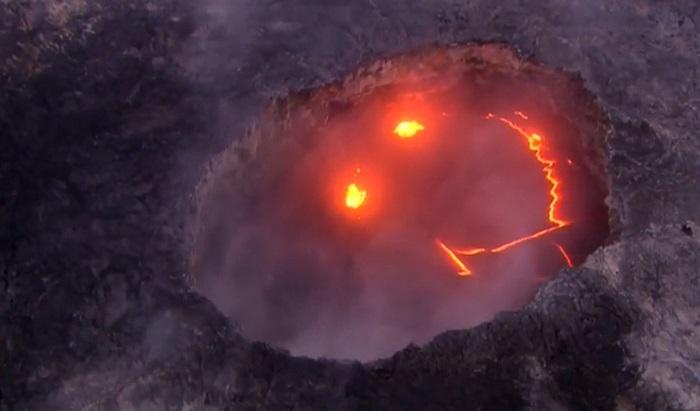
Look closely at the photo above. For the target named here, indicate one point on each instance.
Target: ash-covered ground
(111, 113)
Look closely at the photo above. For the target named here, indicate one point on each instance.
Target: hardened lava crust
(112, 114)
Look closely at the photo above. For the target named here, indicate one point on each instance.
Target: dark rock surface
(110, 111)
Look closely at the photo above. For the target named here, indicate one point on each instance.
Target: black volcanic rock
(110, 112)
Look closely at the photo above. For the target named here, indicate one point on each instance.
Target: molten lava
(564, 254)
(535, 145)
(354, 196)
(470, 251)
(463, 270)
(408, 129)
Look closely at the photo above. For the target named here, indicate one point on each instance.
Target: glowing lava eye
(408, 129)
(354, 196)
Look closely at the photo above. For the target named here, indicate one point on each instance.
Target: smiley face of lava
(536, 145)
(356, 220)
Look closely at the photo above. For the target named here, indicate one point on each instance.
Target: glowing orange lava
(408, 129)
(354, 196)
(564, 254)
(536, 146)
(470, 251)
(463, 270)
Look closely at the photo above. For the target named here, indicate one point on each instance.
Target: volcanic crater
(424, 192)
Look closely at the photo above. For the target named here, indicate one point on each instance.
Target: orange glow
(408, 129)
(565, 255)
(354, 196)
(521, 240)
(470, 251)
(462, 269)
(536, 146)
